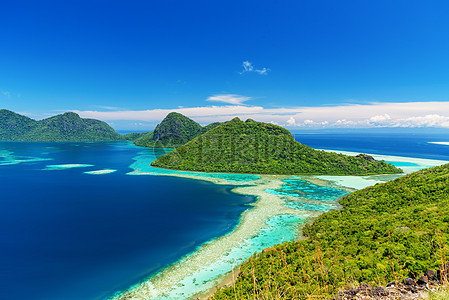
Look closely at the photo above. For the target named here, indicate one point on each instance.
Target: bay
(68, 234)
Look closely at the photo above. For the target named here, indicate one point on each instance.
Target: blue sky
(295, 63)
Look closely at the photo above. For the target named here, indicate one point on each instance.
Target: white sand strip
(215, 259)
(101, 172)
(67, 166)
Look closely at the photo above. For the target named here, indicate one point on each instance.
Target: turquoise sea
(86, 220)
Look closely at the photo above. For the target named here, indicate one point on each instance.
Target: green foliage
(263, 148)
(175, 130)
(209, 127)
(387, 232)
(13, 125)
(66, 127)
(146, 140)
(133, 136)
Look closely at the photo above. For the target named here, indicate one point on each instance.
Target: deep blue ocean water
(406, 144)
(70, 235)
(66, 234)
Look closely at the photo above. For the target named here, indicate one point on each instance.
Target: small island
(263, 148)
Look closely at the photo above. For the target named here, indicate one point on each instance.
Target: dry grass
(441, 293)
(325, 275)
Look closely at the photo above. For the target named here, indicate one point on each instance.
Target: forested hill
(263, 148)
(387, 232)
(65, 127)
(175, 130)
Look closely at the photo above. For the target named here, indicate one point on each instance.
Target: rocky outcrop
(407, 289)
(366, 157)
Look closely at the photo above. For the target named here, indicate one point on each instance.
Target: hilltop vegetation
(175, 130)
(13, 126)
(65, 127)
(133, 136)
(387, 232)
(263, 148)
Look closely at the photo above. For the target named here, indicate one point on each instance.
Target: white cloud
(344, 123)
(291, 121)
(312, 123)
(434, 120)
(264, 71)
(229, 98)
(248, 67)
(411, 114)
(109, 107)
(380, 118)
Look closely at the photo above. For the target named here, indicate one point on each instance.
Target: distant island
(263, 148)
(64, 127)
(234, 146)
(174, 131)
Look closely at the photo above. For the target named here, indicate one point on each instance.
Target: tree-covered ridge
(131, 137)
(65, 127)
(263, 148)
(387, 232)
(209, 127)
(175, 130)
(13, 125)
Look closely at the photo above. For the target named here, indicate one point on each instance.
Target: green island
(387, 232)
(263, 148)
(64, 127)
(131, 137)
(174, 131)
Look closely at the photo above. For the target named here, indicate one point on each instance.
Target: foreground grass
(440, 294)
(387, 232)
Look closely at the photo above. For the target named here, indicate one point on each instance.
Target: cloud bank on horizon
(393, 114)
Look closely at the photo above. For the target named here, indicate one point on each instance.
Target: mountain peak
(174, 130)
(63, 127)
(71, 114)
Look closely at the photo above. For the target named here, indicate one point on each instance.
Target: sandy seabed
(208, 266)
(268, 222)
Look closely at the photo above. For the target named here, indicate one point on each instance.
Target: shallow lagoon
(297, 199)
(192, 268)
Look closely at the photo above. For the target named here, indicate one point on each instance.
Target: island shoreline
(255, 188)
